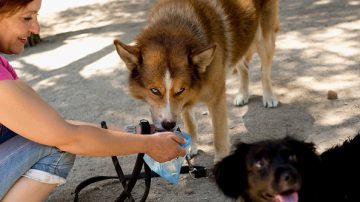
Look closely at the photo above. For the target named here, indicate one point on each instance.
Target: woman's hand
(165, 146)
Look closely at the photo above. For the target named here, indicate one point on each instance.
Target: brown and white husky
(181, 58)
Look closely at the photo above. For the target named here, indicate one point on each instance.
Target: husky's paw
(222, 153)
(241, 99)
(270, 101)
(219, 157)
(193, 149)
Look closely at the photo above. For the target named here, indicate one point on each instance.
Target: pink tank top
(7, 72)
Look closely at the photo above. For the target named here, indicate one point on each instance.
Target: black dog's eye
(288, 155)
(292, 158)
(155, 91)
(261, 163)
(180, 91)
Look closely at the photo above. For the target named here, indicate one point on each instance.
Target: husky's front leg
(218, 111)
(242, 98)
(191, 128)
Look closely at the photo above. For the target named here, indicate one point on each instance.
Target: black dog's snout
(168, 125)
(288, 178)
(287, 175)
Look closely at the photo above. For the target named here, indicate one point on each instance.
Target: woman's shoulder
(7, 72)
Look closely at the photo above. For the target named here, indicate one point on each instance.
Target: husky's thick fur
(182, 56)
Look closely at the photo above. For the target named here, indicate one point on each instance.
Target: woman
(36, 143)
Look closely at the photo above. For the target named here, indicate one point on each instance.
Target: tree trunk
(33, 39)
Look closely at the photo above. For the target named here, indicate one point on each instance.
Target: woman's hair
(9, 7)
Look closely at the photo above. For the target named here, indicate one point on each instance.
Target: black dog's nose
(168, 125)
(286, 177)
(287, 174)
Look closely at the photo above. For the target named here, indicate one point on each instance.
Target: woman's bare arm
(23, 111)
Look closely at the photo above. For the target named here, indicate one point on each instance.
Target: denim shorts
(22, 157)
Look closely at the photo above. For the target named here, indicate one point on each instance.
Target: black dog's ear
(305, 152)
(308, 159)
(231, 173)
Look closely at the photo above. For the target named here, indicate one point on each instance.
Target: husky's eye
(180, 91)
(155, 91)
(27, 18)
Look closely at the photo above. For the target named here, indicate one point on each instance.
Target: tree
(33, 40)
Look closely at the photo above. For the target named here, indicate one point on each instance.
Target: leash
(128, 181)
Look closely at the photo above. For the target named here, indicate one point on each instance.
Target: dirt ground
(78, 72)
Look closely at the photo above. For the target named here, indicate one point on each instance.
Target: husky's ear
(202, 58)
(129, 54)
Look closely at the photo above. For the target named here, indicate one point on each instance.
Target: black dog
(288, 170)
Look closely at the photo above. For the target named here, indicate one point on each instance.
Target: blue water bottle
(170, 170)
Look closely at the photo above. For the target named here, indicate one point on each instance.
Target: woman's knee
(53, 168)
(46, 164)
